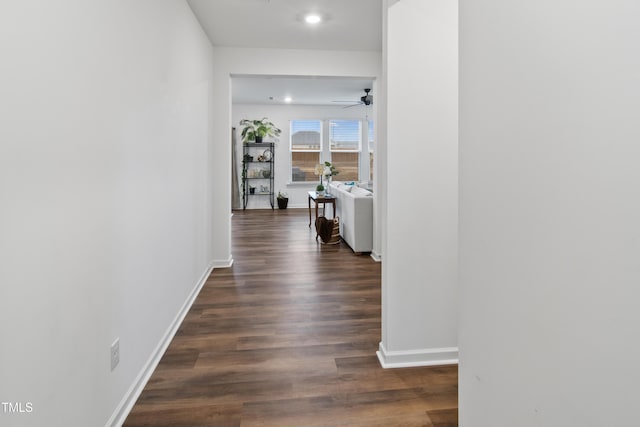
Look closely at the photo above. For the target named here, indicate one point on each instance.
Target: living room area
(319, 122)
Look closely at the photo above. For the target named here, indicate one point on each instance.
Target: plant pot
(258, 139)
(252, 190)
(282, 202)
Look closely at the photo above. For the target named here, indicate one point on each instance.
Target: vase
(258, 139)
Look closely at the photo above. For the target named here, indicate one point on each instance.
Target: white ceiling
(347, 25)
(303, 90)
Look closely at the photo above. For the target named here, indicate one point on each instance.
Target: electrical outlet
(115, 353)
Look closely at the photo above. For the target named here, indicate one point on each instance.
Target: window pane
(306, 135)
(303, 166)
(345, 135)
(347, 165)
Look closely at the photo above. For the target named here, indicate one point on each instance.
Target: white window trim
(325, 150)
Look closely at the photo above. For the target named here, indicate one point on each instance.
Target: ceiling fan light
(312, 18)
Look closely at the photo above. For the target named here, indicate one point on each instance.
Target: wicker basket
(328, 230)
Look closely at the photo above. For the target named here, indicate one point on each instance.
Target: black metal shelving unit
(257, 171)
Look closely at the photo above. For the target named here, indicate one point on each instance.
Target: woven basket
(328, 230)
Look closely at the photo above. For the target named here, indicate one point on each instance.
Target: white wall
(419, 310)
(105, 205)
(550, 236)
(280, 115)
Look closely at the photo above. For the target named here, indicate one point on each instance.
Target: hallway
(287, 337)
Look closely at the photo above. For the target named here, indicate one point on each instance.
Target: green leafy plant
(319, 187)
(258, 129)
(329, 169)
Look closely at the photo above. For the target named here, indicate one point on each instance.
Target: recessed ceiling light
(312, 18)
(288, 99)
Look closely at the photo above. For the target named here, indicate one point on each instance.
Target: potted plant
(325, 169)
(255, 130)
(319, 172)
(283, 200)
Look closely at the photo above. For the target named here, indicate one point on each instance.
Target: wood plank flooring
(287, 337)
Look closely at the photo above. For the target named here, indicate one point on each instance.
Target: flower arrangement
(327, 170)
(320, 172)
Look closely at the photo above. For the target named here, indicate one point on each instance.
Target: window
(341, 143)
(306, 146)
(345, 138)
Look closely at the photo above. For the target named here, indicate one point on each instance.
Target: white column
(419, 306)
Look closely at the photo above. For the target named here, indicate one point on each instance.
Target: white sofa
(354, 207)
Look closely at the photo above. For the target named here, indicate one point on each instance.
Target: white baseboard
(414, 358)
(223, 263)
(376, 256)
(131, 396)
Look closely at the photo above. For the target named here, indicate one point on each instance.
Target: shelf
(266, 183)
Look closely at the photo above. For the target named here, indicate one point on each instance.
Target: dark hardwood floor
(287, 337)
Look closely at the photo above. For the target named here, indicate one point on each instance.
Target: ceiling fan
(367, 99)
